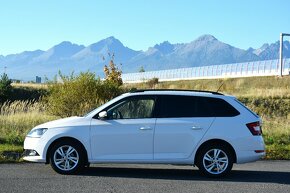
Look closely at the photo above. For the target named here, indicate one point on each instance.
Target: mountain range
(67, 57)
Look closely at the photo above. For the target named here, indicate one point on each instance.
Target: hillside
(271, 86)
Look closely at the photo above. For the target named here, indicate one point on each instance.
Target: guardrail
(245, 69)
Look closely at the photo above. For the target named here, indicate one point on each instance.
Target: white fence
(246, 69)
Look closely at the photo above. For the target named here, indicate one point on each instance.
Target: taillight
(255, 128)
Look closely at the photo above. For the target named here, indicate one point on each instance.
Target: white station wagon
(200, 128)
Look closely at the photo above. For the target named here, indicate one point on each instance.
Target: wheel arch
(68, 139)
(213, 142)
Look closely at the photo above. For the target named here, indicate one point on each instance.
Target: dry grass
(18, 117)
(276, 129)
(30, 85)
(16, 107)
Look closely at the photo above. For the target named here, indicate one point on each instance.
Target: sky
(36, 24)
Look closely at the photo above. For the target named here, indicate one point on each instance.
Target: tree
(141, 69)
(5, 87)
(113, 73)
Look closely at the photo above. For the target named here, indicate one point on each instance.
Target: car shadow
(187, 174)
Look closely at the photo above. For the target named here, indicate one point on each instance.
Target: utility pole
(281, 54)
(5, 67)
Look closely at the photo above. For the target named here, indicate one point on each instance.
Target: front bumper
(38, 159)
(33, 144)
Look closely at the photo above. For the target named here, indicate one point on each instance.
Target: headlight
(37, 132)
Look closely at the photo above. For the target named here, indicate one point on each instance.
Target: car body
(206, 129)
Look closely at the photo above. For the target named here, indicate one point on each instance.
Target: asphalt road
(262, 176)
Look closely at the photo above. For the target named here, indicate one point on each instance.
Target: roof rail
(205, 91)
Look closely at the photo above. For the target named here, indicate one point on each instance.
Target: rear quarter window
(245, 107)
(220, 107)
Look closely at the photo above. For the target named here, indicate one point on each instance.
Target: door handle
(196, 128)
(145, 128)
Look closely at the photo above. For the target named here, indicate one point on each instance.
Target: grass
(10, 153)
(16, 119)
(269, 96)
(276, 133)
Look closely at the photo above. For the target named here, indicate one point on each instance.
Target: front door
(127, 131)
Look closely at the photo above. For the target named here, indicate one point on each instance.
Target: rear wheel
(215, 161)
(67, 157)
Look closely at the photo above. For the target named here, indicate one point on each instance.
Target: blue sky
(36, 24)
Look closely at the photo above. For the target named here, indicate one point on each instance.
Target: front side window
(132, 109)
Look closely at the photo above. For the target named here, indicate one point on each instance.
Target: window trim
(157, 106)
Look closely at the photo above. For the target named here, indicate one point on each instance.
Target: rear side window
(177, 106)
(171, 106)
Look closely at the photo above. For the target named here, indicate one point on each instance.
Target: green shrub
(268, 107)
(27, 93)
(152, 82)
(278, 152)
(76, 95)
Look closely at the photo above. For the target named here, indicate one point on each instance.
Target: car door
(180, 125)
(127, 131)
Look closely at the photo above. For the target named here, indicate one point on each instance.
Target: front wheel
(215, 161)
(67, 157)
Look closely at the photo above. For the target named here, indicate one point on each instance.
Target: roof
(175, 92)
(172, 91)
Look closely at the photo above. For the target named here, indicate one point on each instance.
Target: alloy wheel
(215, 161)
(66, 158)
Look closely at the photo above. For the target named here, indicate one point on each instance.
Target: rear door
(181, 123)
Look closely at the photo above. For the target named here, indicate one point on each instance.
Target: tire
(67, 157)
(215, 160)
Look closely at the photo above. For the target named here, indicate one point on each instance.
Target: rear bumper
(250, 149)
(249, 156)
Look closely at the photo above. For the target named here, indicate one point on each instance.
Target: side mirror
(103, 115)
